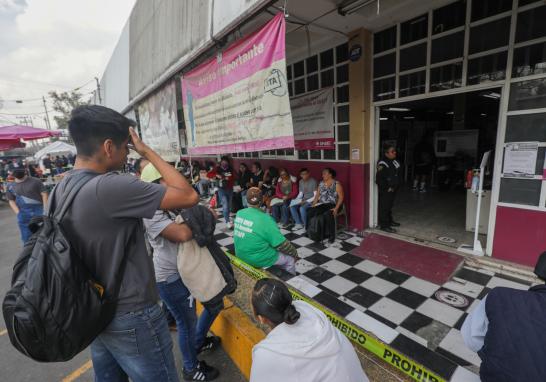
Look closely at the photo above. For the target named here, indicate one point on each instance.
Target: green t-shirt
(256, 235)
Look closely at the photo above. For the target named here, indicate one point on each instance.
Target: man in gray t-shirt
(298, 207)
(104, 226)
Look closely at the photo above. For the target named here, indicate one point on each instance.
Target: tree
(63, 104)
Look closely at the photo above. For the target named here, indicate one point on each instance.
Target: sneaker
(211, 343)
(423, 190)
(230, 225)
(297, 227)
(395, 224)
(202, 372)
(388, 229)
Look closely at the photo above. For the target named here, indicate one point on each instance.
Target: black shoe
(395, 224)
(388, 229)
(211, 343)
(202, 372)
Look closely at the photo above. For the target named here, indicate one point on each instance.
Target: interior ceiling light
(398, 109)
(492, 95)
(483, 114)
(383, 119)
(350, 7)
(449, 113)
(409, 117)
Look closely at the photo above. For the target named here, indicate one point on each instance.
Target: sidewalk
(420, 318)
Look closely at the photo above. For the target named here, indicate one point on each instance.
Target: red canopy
(16, 132)
(8, 144)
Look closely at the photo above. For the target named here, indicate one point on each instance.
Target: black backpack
(315, 228)
(55, 308)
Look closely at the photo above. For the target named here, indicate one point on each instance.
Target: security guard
(387, 180)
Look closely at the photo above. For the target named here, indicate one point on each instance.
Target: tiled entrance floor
(419, 318)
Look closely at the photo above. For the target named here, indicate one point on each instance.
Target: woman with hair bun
(302, 345)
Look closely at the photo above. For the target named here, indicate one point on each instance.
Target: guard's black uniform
(387, 180)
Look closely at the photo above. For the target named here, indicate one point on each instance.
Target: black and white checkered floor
(420, 319)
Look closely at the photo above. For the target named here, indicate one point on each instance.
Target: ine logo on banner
(275, 83)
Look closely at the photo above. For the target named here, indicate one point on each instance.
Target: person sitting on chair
(257, 238)
(327, 202)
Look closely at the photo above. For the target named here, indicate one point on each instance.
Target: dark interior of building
(438, 141)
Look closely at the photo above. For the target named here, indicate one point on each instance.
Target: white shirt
(475, 327)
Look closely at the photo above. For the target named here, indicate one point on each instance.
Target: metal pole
(48, 124)
(98, 89)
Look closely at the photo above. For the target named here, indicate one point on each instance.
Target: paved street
(14, 367)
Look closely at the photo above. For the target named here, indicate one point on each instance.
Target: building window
(342, 94)
(289, 72)
(343, 153)
(327, 78)
(327, 58)
(487, 68)
(342, 73)
(412, 84)
(384, 40)
(526, 128)
(523, 3)
(413, 57)
(299, 69)
(312, 82)
(449, 17)
(413, 30)
(486, 8)
(300, 86)
(489, 36)
(447, 48)
(312, 64)
(343, 114)
(531, 24)
(342, 53)
(527, 95)
(529, 60)
(446, 77)
(520, 191)
(384, 89)
(384, 65)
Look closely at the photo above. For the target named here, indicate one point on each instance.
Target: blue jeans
(299, 213)
(281, 212)
(191, 332)
(135, 345)
(24, 216)
(225, 199)
(243, 198)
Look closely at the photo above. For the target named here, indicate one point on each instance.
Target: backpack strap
(59, 211)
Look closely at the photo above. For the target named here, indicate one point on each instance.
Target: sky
(54, 45)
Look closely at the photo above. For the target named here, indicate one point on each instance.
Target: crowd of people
(137, 235)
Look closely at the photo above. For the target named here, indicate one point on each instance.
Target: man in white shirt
(508, 331)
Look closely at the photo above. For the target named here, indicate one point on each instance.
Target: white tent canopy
(58, 148)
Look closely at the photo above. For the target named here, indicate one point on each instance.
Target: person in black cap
(508, 331)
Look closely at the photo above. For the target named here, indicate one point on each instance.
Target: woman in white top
(302, 345)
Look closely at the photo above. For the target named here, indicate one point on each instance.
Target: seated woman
(269, 185)
(328, 201)
(285, 191)
(257, 238)
(302, 346)
(244, 181)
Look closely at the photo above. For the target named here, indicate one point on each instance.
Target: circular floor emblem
(445, 239)
(452, 298)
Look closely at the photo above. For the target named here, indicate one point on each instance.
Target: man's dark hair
(91, 125)
(305, 169)
(387, 147)
(19, 173)
(258, 165)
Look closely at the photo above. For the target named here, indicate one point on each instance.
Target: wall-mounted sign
(520, 159)
(355, 53)
(312, 117)
(238, 101)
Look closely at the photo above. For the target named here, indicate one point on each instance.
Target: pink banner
(238, 101)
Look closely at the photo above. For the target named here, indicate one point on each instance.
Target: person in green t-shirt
(258, 240)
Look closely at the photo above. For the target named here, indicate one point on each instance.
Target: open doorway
(439, 140)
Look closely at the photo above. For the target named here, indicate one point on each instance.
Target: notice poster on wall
(238, 101)
(159, 123)
(312, 117)
(520, 159)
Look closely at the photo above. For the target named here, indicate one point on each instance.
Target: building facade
(467, 75)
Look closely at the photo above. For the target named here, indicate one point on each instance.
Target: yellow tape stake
(78, 372)
(388, 354)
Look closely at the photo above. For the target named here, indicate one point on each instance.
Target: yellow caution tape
(409, 367)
